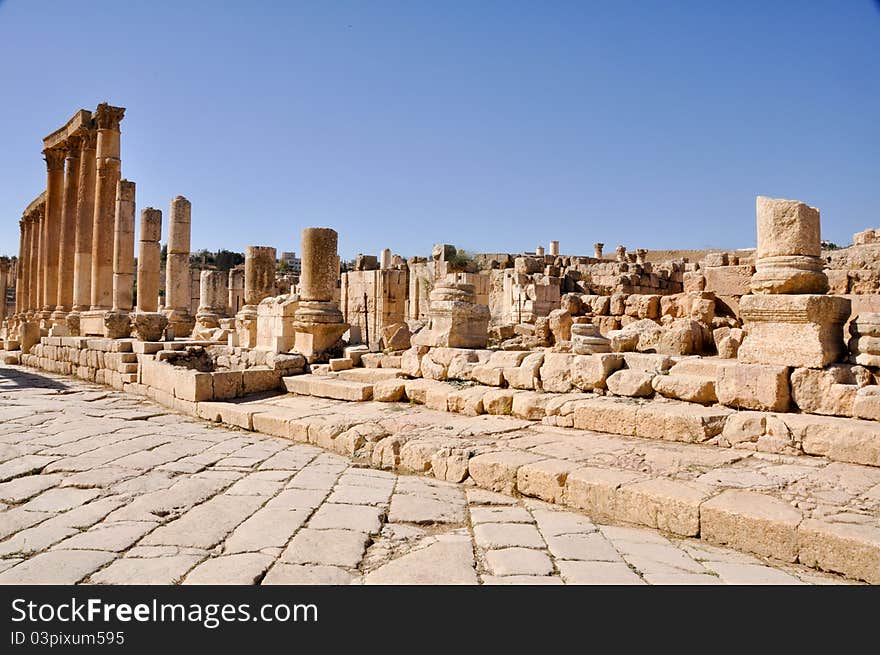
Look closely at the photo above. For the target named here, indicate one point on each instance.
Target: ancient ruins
(760, 356)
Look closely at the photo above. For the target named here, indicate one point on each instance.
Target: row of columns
(66, 249)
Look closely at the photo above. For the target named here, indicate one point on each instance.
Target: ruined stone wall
(386, 295)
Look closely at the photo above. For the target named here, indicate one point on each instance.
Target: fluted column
(85, 214)
(149, 255)
(67, 239)
(52, 227)
(107, 174)
(123, 247)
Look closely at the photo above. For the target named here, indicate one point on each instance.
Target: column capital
(108, 117)
(74, 144)
(88, 139)
(55, 158)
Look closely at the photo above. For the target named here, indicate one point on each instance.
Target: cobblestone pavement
(102, 487)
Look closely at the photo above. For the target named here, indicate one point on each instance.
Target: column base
(789, 274)
(318, 328)
(73, 319)
(801, 330)
(180, 322)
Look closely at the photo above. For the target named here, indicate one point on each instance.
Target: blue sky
(495, 126)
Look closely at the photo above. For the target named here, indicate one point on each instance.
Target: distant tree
(226, 259)
(283, 266)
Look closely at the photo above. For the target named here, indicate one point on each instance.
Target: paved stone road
(102, 487)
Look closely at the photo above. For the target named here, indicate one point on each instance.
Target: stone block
(497, 471)
(555, 372)
(828, 391)
(849, 548)
(544, 479)
(498, 402)
(841, 439)
(680, 421)
(793, 330)
(664, 504)
(594, 490)
(590, 372)
(389, 391)
(753, 522)
(754, 386)
(612, 415)
(630, 383)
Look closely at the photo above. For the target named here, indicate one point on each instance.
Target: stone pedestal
(177, 274)
(787, 260)
(793, 330)
(865, 341)
(587, 340)
(319, 328)
(456, 321)
(275, 321)
(117, 324)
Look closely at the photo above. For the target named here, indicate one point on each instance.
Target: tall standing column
(67, 238)
(318, 322)
(117, 323)
(21, 269)
(212, 302)
(178, 279)
(85, 215)
(37, 275)
(4, 272)
(386, 259)
(107, 174)
(554, 248)
(149, 256)
(52, 228)
(148, 323)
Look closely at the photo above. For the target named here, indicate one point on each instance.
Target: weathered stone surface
(497, 471)
(630, 383)
(824, 391)
(544, 479)
(556, 372)
(754, 386)
(664, 504)
(518, 561)
(590, 372)
(445, 562)
(389, 391)
(843, 440)
(849, 548)
(594, 490)
(753, 522)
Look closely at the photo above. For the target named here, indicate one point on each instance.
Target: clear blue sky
(495, 126)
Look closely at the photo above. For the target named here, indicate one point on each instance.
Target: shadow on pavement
(12, 379)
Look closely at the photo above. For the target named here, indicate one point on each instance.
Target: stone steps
(795, 509)
(323, 386)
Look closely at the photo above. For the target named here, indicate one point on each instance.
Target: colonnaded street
(102, 487)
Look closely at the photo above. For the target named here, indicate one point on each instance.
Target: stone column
(539, 251)
(85, 214)
(236, 290)
(178, 278)
(641, 253)
(259, 283)
(123, 247)
(67, 242)
(554, 248)
(107, 175)
(597, 250)
(149, 259)
(4, 272)
(33, 260)
(386, 259)
(52, 229)
(788, 258)
(621, 254)
(213, 294)
(148, 323)
(21, 278)
(787, 319)
(318, 322)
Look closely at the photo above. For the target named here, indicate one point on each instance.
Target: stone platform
(104, 487)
